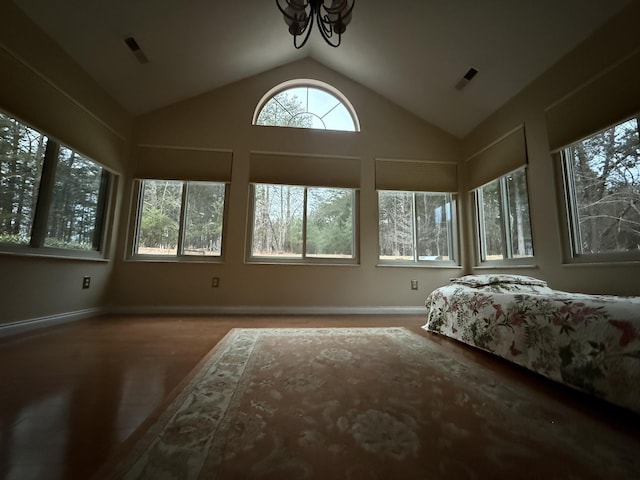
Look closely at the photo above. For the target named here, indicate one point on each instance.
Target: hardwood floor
(72, 394)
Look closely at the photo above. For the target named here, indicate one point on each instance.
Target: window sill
(607, 263)
(304, 263)
(449, 266)
(54, 254)
(174, 259)
(502, 266)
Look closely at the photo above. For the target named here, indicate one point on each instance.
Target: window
(416, 226)
(306, 104)
(503, 223)
(50, 196)
(602, 190)
(310, 224)
(180, 218)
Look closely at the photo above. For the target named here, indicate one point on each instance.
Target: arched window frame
(306, 83)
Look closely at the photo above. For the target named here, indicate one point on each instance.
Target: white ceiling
(412, 52)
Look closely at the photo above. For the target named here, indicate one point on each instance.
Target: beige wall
(42, 86)
(618, 40)
(222, 120)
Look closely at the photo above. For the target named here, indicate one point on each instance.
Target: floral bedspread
(589, 342)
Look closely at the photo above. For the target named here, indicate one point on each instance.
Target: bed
(589, 342)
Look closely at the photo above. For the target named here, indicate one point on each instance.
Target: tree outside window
(602, 179)
(178, 218)
(416, 226)
(50, 195)
(503, 221)
(306, 104)
(303, 223)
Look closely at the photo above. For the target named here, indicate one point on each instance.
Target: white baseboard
(262, 310)
(22, 326)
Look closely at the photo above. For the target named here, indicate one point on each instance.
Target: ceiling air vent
(472, 72)
(136, 50)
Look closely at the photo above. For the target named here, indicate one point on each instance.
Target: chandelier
(332, 20)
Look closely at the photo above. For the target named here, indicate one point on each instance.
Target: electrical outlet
(215, 282)
(414, 284)
(86, 282)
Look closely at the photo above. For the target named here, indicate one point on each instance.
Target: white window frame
(179, 256)
(307, 83)
(304, 258)
(452, 238)
(569, 219)
(38, 234)
(505, 227)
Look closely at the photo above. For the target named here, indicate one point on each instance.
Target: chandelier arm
(325, 23)
(308, 23)
(325, 30)
(308, 27)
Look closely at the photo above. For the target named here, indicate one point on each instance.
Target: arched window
(306, 103)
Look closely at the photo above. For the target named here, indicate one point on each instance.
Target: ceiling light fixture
(332, 20)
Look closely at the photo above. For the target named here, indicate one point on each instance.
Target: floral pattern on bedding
(589, 342)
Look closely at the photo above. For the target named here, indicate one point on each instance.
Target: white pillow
(498, 278)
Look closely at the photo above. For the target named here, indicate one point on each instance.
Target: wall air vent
(472, 72)
(131, 43)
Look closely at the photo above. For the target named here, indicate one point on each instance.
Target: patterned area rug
(365, 403)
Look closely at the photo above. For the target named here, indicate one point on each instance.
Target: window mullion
(304, 224)
(101, 210)
(482, 239)
(331, 110)
(139, 194)
(571, 204)
(507, 247)
(451, 227)
(45, 193)
(355, 236)
(183, 216)
(415, 226)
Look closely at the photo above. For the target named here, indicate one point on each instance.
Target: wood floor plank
(73, 393)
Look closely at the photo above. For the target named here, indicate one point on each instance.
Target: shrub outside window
(51, 197)
(602, 191)
(180, 219)
(303, 224)
(503, 221)
(416, 227)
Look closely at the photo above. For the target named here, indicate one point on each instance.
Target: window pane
(75, 202)
(521, 243)
(491, 237)
(306, 107)
(434, 226)
(321, 102)
(21, 158)
(277, 223)
(285, 109)
(159, 217)
(204, 216)
(330, 223)
(606, 176)
(339, 119)
(294, 100)
(395, 210)
(274, 114)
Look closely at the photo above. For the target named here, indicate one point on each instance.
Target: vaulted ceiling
(412, 52)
